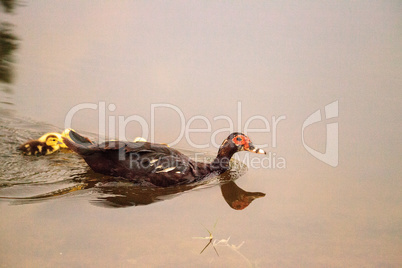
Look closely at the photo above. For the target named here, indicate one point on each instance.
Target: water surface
(205, 61)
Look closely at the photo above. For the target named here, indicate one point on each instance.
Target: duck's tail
(77, 143)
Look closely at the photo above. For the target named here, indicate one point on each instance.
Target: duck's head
(237, 142)
(53, 140)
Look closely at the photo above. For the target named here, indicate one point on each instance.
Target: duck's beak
(59, 142)
(252, 149)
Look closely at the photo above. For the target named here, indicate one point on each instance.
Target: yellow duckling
(65, 134)
(36, 147)
(58, 135)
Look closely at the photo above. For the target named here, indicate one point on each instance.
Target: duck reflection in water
(236, 197)
(116, 194)
(113, 193)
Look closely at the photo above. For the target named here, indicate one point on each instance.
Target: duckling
(36, 147)
(58, 135)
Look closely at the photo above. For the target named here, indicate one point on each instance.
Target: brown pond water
(328, 192)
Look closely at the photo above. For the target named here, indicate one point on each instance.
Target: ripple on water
(24, 176)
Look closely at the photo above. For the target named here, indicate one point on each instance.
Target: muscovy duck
(155, 163)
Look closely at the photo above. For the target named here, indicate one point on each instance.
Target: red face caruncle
(241, 140)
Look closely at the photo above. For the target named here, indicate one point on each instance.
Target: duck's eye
(239, 140)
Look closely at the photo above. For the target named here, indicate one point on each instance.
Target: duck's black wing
(138, 161)
(157, 163)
